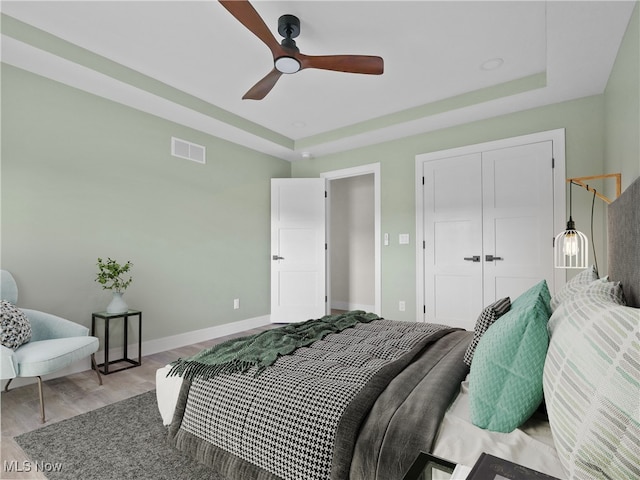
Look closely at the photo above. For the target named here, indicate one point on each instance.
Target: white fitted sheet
(167, 391)
(531, 445)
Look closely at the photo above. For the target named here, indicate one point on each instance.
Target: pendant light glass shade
(571, 248)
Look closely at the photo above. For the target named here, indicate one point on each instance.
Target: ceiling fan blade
(249, 17)
(367, 64)
(264, 86)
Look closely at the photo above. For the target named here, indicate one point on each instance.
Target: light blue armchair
(55, 343)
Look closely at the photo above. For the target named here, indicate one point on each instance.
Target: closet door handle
(475, 258)
(491, 258)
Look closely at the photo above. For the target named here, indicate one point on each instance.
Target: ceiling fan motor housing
(289, 26)
(287, 58)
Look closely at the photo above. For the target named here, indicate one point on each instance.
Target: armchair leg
(95, 367)
(6, 387)
(41, 399)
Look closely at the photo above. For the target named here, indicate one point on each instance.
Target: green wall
(622, 109)
(84, 177)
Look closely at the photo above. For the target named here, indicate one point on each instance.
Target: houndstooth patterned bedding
(290, 420)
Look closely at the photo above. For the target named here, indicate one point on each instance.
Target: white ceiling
(433, 53)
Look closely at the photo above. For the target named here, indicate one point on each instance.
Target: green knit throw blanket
(264, 348)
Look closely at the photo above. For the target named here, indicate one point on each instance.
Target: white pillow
(591, 386)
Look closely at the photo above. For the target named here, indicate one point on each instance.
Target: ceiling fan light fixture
(287, 65)
(286, 55)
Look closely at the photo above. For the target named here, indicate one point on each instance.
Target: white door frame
(373, 168)
(557, 137)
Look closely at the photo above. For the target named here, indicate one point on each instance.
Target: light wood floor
(66, 397)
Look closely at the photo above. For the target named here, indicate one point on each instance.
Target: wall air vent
(190, 151)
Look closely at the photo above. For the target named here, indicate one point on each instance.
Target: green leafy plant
(110, 275)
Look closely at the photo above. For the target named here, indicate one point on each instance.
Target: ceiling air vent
(190, 151)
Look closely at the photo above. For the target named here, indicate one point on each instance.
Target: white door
(517, 219)
(453, 232)
(488, 229)
(297, 249)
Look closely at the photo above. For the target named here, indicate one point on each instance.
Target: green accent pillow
(505, 382)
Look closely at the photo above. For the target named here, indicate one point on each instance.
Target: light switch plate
(403, 239)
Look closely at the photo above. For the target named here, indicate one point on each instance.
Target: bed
(553, 384)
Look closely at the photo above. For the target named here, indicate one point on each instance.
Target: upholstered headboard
(624, 242)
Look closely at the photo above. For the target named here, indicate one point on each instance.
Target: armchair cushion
(47, 356)
(15, 328)
(45, 326)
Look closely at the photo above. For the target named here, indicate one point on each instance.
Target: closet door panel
(453, 226)
(517, 219)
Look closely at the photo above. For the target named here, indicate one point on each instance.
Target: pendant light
(571, 246)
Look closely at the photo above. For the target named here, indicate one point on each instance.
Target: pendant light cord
(593, 243)
(570, 200)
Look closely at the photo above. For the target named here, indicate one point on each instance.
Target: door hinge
(424, 244)
(424, 309)
(326, 247)
(423, 180)
(553, 242)
(325, 194)
(553, 162)
(326, 299)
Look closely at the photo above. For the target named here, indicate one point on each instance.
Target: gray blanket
(406, 416)
(300, 419)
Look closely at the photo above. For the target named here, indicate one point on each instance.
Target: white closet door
(517, 219)
(495, 207)
(453, 233)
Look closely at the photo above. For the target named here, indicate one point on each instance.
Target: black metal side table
(107, 317)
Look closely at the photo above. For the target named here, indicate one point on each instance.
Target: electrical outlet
(402, 306)
(236, 303)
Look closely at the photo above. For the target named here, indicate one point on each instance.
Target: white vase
(117, 304)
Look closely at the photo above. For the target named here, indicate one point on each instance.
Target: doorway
(353, 239)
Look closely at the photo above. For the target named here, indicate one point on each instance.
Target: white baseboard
(157, 345)
(352, 306)
(150, 347)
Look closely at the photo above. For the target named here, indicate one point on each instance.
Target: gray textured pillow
(573, 286)
(15, 328)
(608, 292)
(487, 318)
(598, 291)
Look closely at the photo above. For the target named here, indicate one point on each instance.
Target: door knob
(277, 257)
(475, 258)
(491, 258)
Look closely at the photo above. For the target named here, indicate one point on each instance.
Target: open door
(298, 260)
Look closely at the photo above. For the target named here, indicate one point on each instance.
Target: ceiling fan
(286, 55)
